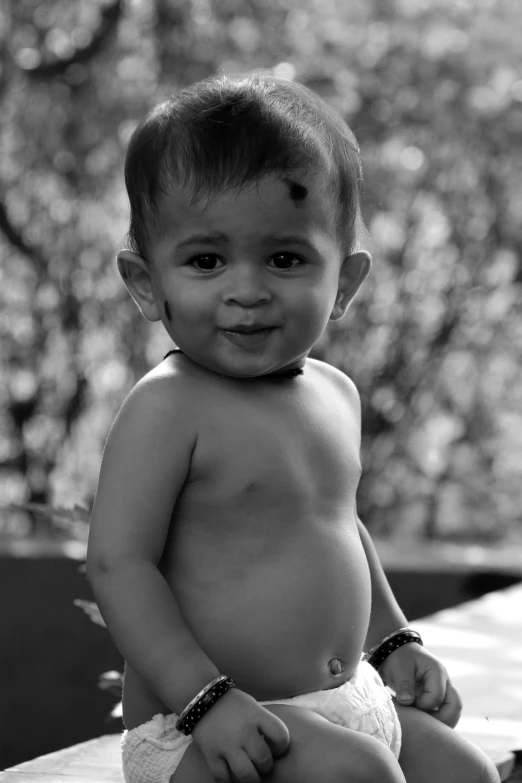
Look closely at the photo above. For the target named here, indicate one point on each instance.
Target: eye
(206, 263)
(285, 261)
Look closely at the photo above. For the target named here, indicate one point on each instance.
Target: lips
(249, 336)
(248, 328)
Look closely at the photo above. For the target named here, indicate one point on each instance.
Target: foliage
(433, 91)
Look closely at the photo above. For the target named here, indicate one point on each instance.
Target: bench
(479, 641)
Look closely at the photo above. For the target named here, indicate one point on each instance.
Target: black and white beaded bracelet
(378, 654)
(202, 702)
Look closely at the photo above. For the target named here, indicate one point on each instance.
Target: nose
(247, 287)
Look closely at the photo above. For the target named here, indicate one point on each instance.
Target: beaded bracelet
(379, 652)
(202, 702)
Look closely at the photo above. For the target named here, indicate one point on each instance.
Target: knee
(382, 765)
(487, 772)
(474, 767)
(371, 761)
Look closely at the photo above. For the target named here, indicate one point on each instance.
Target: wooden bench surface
(480, 642)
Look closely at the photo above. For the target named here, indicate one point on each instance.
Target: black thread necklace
(290, 373)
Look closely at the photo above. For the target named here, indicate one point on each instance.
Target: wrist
(377, 654)
(202, 702)
(184, 684)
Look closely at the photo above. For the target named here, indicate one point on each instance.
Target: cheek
(182, 306)
(311, 315)
(315, 300)
(319, 307)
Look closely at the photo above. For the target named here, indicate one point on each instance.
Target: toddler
(225, 551)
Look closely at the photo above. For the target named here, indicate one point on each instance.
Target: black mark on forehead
(167, 311)
(297, 192)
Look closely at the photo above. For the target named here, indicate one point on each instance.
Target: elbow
(103, 577)
(101, 562)
(95, 569)
(103, 568)
(98, 566)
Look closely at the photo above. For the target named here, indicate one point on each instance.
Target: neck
(292, 372)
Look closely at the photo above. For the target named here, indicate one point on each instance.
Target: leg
(431, 752)
(319, 752)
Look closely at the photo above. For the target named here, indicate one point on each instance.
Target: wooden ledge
(94, 761)
(480, 642)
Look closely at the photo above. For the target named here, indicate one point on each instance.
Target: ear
(136, 275)
(354, 271)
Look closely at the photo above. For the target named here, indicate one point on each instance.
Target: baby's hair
(231, 132)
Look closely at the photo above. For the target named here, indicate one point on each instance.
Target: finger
(450, 710)
(405, 691)
(275, 732)
(219, 770)
(260, 755)
(433, 690)
(242, 769)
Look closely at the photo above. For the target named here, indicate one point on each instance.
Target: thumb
(405, 692)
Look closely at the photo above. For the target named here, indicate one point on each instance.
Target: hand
(240, 739)
(420, 680)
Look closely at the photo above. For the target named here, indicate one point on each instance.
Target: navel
(336, 666)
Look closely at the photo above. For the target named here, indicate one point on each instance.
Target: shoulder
(146, 461)
(158, 401)
(339, 380)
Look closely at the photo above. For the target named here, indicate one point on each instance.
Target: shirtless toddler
(225, 551)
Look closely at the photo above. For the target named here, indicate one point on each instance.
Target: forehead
(297, 202)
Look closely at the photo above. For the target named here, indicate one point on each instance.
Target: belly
(291, 620)
(276, 623)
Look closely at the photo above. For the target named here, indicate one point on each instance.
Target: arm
(145, 463)
(416, 676)
(386, 615)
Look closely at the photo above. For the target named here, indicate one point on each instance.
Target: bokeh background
(432, 90)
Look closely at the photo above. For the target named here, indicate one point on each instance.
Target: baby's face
(245, 284)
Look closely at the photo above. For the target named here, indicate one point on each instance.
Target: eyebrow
(294, 240)
(218, 236)
(204, 239)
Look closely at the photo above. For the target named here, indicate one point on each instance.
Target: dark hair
(229, 132)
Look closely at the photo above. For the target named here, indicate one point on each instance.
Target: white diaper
(152, 752)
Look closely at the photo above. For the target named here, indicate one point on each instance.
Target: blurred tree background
(433, 92)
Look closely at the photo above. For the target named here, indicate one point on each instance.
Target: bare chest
(269, 455)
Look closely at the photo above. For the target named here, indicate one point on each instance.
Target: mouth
(248, 335)
(249, 328)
